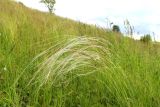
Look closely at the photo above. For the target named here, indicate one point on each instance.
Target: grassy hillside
(50, 61)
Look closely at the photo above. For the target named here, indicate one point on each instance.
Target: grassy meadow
(50, 61)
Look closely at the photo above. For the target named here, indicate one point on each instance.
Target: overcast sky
(143, 14)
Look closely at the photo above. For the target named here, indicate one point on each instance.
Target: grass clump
(46, 61)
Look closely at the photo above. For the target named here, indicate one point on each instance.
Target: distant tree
(50, 4)
(115, 28)
(146, 38)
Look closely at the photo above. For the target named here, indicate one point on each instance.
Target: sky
(144, 15)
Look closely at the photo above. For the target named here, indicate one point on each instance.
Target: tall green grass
(49, 61)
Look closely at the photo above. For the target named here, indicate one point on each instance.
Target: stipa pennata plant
(80, 56)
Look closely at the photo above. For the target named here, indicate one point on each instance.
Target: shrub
(146, 38)
(115, 28)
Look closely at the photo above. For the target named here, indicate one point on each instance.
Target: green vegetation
(50, 4)
(146, 38)
(115, 28)
(49, 61)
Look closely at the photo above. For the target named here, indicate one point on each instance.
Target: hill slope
(47, 60)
